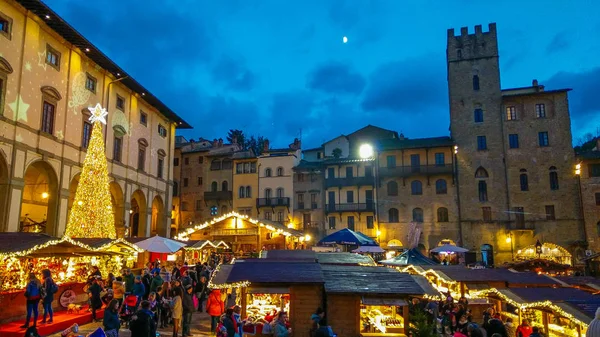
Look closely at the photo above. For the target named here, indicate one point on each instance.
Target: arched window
(483, 190)
(475, 82)
(280, 192)
(268, 193)
(416, 187)
(441, 187)
(524, 180)
(393, 215)
(224, 186)
(248, 192)
(214, 186)
(481, 173)
(442, 214)
(280, 171)
(215, 165)
(268, 172)
(553, 178)
(392, 188)
(241, 192)
(417, 215)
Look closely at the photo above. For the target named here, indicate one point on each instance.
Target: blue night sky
(275, 67)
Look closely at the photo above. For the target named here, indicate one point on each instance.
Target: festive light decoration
(102, 248)
(283, 231)
(208, 242)
(92, 214)
(211, 285)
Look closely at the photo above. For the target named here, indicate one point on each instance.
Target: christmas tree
(91, 214)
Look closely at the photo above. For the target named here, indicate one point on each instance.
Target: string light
(208, 242)
(212, 285)
(91, 215)
(47, 244)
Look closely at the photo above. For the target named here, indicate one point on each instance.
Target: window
(597, 195)
(540, 110)
(198, 205)
(331, 222)
(48, 118)
(162, 131)
(417, 215)
(393, 215)
(475, 82)
(543, 139)
(349, 197)
(280, 192)
(594, 170)
(415, 163)
(349, 172)
(416, 187)
(513, 141)
(482, 186)
(248, 192)
(253, 167)
(392, 188)
(185, 182)
(214, 186)
(481, 143)
(300, 177)
(121, 106)
(239, 168)
(215, 165)
(511, 113)
(224, 186)
(369, 171)
(175, 161)
(117, 149)
(313, 201)
(242, 192)
(351, 222)
(268, 193)
(442, 214)
(267, 172)
(519, 216)
(330, 173)
(553, 178)
(280, 171)
(280, 217)
(487, 214)
(441, 187)
(159, 170)
(478, 115)
(186, 161)
(268, 216)
(440, 159)
(87, 134)
(5, 26)
(52, 57)
(319, 155)
(459, 54)
(227, 164)
(200, 160)
(391, 161)
(550, 215)
(300, 198)
(598, 228)
(370, 223)
(481, 173)
(199, 181)
(524, 180)
(90, 83)
(175, 189)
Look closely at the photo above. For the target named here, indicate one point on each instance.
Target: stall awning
(384, 301)
(268, 290)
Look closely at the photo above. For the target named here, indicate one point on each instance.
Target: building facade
(48, 78)
(308, 198)
(218, 174)
(588, 172)
(245, 183)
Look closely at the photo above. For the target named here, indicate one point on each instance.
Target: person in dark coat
(495, 326)
(95, 301)
(200, 291)
(146, 280)
(94, 275)
(129, 279)
(188, 309)
(50, 287)
(142, 322)
(33, 295)
(111, 320)
(156, 282)
(229, 322)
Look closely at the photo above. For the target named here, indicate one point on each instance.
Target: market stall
(200, 250)
(412, 256)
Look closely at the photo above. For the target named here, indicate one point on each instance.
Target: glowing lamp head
(80, 203)
(578, 169)
(307, 237)
(455, 149)
(45, 195)
(378, 233)
(508, 239)
(290, 225)
(365, 151)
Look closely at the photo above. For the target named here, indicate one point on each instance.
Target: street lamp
(365, 151)
(538, 248)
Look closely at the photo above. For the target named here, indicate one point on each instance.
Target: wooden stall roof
(427, 287)
(265, 271)
(530, 295)
(12, 242)
(587, 283)
(290, 255)
(463, 274)
(352, 259)
(369, 281)
(584, 311)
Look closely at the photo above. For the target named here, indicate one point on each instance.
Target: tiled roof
(94, 242)
(346, 160)
(589, 155)
(290, 255)
(506, 92)
(345, 259)
(307, 165)
(265, 271)
(369, 280)
(313, 149)
(69, 33)
(406, 143)
(244, 155)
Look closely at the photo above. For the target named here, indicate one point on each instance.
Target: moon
(345, 39)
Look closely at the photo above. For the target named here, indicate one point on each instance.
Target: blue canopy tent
(347, 237)
(410, 257)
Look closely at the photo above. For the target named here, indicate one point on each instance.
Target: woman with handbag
(51, 288)
(95, 298)
(33, 293)
(111, 321)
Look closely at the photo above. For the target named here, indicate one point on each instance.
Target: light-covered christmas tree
(91, 214)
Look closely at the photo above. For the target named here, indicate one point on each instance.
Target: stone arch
(39, 200)
(118, 203)
(158, 217)
(4, 181)
(137, 214)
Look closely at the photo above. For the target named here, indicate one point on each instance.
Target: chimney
(220, 142)
(295, 145)
(215, 143)
(266, 145)
(534, 83)
(401, 136)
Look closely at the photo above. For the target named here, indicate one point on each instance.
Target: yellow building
(245, 183)
(49, 75)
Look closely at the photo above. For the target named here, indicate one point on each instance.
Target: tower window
(482, 191)
(550, 215)
(393, 215)
(475, 82)
(417, 215)
(459, 54)
(540, 110)
(481, 143)
(416, 187)
(553, 178)
(441, 187)
(513, 141)
(511, 113)
(478, 115)
(543, 139)
(524, 180)
(442, 214)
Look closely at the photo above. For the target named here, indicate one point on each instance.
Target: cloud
(560, 42)
(233, 74)
(336, 78)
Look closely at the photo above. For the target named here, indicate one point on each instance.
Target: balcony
(405, 171)
(272, 202)
(353, 207)
(218, 195)
(350, 181)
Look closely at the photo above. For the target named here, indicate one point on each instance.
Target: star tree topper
(98, 114)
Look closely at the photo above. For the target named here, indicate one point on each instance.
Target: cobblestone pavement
(200, 328)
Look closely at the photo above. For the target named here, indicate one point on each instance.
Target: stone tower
(476, 127)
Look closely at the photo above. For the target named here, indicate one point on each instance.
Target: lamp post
(538, 248)
(509, 239)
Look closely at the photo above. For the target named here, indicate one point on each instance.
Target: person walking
(230, 323)
(165, 274)
(200, 291)
(129, 279)
(95, 301)
(142, 322)
(214, 307)
(118, 288)
(33, 295)
(511, 329)
(156, 282)
(138, 290)
(50, 288)
(188, 309)
(111, 321)
(593, 329)
(146, 280)
(524, 330)
(177, 310)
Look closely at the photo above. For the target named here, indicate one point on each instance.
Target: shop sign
(67, 297)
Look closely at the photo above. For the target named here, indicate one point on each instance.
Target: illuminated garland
(102, 248)
(239, 284)
(208, 242)
(185, 235)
